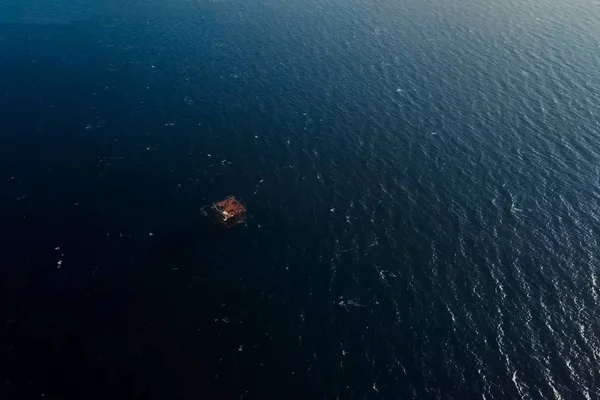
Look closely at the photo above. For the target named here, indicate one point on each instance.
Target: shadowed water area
(421, 178)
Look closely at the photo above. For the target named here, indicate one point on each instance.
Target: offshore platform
(229, 212)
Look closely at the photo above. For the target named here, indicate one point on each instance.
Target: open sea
(422, 180)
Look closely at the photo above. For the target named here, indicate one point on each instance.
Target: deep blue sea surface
(422, 179)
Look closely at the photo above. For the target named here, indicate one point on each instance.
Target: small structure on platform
(229, 211)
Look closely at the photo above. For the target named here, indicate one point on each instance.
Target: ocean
(422, 181)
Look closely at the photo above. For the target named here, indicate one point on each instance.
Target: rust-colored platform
(230, 211)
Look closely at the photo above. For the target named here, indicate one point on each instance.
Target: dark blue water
(422, 179)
